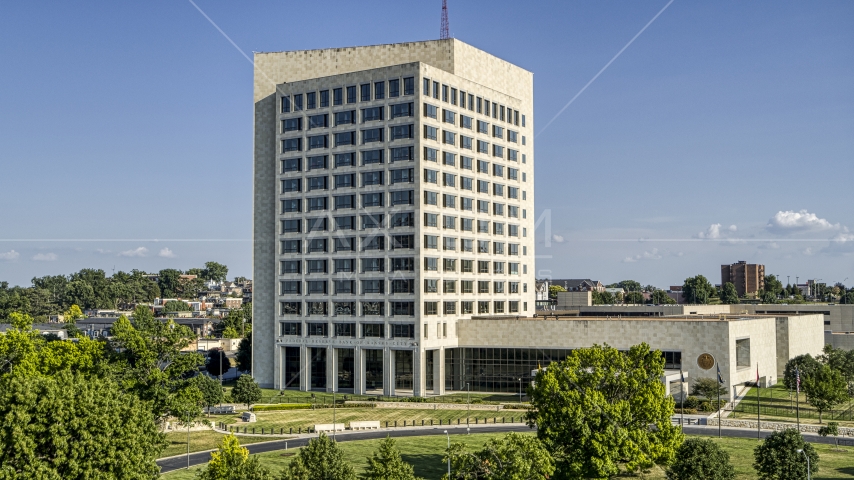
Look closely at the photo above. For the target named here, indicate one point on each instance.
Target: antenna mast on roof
(443, 33)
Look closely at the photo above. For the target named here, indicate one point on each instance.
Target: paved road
(176, 463)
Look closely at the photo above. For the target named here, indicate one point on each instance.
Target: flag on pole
(757, 375)
(682, 375)
(720, 377)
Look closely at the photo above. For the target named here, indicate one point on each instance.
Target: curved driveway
(179, 462)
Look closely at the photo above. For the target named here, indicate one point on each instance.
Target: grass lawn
(777, 404)
(425, 453)
(176, 442)
(269, 395)
(308, 418)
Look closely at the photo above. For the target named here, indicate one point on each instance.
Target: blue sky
(724, 132)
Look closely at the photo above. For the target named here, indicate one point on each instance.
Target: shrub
(281, 406)
(777, 457)
(692, 402)
(701, 459)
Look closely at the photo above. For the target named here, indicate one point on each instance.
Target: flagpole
(682, 406)
(758, 407)
(798, 396)
(720, 382)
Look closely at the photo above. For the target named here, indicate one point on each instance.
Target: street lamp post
(449, 453)
(520, 390)
(809, 475)
(188, 440)
(333, 416)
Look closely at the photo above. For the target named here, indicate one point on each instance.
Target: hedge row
(282, 406)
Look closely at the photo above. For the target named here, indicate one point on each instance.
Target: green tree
(512, 457)
(633, 298)
(708, 388)
(246, 391)
(660, 297)
(169, 281)
(25, 352)
(805, 364)
(176, 306)
(701, 459)
(216, 362)
(321, 459)
(210, 388)
(628, 285)
(698, 290)
(386, 464)
(777, 457)
(232, 325)
(75, 427)
(554, 290)
(729, 295)
(244, 355)
(233, 462)
(773, 286)
(150, 361)
(73, 314)
(602, 410)
(215, 271)
(842, 361)
(602, 298)
(825, 388)
(832, 428)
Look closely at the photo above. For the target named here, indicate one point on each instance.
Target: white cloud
(733, 228)
(10, 255)
(137, 252)
(557, 238)
(807, 251)
(714, 231)
(791, 221)
(768, 246)
(843, 237)
(651, 255)
(45, 257)
(166, 253)
(103, 252)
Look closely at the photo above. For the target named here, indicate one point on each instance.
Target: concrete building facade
(393, 199)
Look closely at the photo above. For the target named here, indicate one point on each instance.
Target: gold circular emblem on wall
(706, 361)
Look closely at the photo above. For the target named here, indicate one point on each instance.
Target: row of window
(473, 103)
(365, 92)
(407, 286)
(398, 220)
(319, 183)
(348, 330)
(378, 308)
(400, 242)
(347, 117)
(468, 123)
(403, 175)
(401, 264)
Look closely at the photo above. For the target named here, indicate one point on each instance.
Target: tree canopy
(825, 388)
(74, 427)
(511, 457)
(246, 390)
(233, 462)
(321, 459)
(701, 459)
(729, 295)
(153, 365)
(777, 457)
(594, 412)
(698, 290)
(386, 464)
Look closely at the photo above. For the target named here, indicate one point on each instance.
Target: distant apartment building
(748, 278)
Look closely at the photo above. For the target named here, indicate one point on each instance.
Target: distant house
(579, 285)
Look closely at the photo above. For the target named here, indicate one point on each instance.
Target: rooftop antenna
(443, 32)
